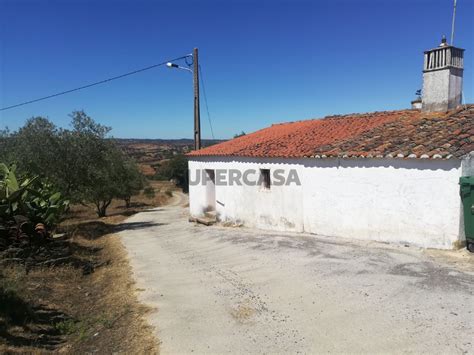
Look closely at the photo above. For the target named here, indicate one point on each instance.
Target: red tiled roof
(406, 133)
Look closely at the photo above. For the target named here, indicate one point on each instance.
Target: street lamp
(173, 65)
(197, 114)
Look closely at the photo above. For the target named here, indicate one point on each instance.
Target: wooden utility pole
(197, 113)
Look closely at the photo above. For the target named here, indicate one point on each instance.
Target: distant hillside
(174, 142)
(149, 153)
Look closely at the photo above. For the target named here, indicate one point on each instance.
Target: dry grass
(117, 210)
(147, 169)
(242, 313)
(61, 310)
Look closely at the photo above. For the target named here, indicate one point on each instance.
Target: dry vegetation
(150, 153)
(71, 309)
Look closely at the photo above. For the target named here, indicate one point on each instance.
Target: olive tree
(131, 180)
(82, 162)
(104, 172)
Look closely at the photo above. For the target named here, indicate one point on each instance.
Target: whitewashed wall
(279, 208)
(393, 200)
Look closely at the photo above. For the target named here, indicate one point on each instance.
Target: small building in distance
(390, 176)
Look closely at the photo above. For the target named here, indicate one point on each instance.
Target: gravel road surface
(236, 290)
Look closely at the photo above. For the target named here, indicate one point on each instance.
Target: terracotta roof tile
(397, 134)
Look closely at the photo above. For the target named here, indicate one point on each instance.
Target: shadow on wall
(397, 163)
(419, 164)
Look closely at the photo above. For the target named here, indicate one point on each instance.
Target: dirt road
(234, 290)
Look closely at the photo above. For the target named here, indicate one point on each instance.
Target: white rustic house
(386, 176)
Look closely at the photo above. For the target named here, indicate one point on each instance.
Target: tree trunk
(101, 207)
(128, 201)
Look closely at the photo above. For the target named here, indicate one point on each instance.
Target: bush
(175, 169)
(130, 179)
(149, 192)
(27, 208)
(32, 198)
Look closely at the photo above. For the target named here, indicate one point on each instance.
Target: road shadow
(136, 226)
(93, 230)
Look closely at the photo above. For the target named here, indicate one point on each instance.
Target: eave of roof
(405, 134)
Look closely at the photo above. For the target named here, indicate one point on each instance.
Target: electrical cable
(205, 101)
(93, 84)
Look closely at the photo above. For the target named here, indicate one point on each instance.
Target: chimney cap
(444, 42)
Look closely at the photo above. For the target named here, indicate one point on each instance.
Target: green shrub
(175, 169)
(149, 192)
(66, 327)
(36, 200)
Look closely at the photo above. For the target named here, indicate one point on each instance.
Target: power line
(205, 101)
(93, 84)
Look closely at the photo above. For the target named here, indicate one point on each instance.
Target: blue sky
(263, 61)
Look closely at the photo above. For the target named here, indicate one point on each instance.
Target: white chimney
(442, 78)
